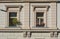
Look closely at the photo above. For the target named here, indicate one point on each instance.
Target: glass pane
(12, 14)
(39, 14)
(12, 22)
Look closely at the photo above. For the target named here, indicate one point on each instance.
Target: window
(40, 19)
(13, 16)
(12, 19)
(39, 16)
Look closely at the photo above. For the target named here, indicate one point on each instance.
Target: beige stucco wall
(24, 18)
(20, 36)
(24, 14)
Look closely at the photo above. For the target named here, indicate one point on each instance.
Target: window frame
(41, 10)
(39, 19)
(12, 6)
(15, 10)
(45, 17)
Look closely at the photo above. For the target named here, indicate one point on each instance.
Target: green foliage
(16, 22)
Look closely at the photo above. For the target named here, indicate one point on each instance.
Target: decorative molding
(28, 0)
(14, 6)
(54, 34)
(19, 29)
(29, 34)
(25, 34)
(41, 6)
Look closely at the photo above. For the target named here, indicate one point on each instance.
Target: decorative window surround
(41, 8)
(52, 34)
(27, 34)
(13, 8)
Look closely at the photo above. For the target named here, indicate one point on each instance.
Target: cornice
(29, 30)
(27, 1)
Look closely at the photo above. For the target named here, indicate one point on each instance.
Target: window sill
(34, 27)
(13, 27)
(39, 27)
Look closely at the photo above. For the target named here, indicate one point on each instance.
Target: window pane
(12, 14)
(39, 14)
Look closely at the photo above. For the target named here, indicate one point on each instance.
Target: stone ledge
(28, 30)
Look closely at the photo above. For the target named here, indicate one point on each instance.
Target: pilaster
(53, 15)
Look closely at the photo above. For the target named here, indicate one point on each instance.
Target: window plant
(16, 22)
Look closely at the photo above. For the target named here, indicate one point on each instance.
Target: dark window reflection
(38, 14)
(12, 14)
(39, 19)
(12, 21)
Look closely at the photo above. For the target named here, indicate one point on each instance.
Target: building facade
(29, 19)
